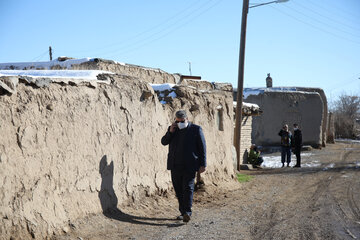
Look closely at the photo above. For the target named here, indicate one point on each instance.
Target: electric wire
(315, 27)
(329, 18)
(148, 30)
(321, 22)
(40, 56)
(336, 9)
(354, 78)
(163, 26)
(147, 41)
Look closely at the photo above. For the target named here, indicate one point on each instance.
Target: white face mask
(182, 125)
(295, 129)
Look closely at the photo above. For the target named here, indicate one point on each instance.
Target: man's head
(296, 125)
(181, 119)
(181, 114)
(286, 127)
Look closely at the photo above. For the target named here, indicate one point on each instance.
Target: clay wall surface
(70, 151)
(325, 122)
(150, 75)
(304, 108)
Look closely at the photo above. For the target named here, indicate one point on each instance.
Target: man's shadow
(109, 200)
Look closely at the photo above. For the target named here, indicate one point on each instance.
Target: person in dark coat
(187, 155)
(286, 137)
(297, 144)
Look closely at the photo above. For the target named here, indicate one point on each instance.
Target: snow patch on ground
(274, 161)
(347, 140)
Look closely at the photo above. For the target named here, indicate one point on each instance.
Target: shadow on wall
(109, 200)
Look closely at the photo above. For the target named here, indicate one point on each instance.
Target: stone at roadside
(246, 167)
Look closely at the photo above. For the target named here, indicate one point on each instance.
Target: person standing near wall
(297, 144)
(286, 137)
(187, 155)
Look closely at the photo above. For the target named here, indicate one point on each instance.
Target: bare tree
(346, 116)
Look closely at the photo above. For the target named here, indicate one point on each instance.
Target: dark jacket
(285, 138)
(297, 139)
(194, 148)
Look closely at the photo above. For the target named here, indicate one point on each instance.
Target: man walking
(286, 136)
(297, 144)
(187, 155)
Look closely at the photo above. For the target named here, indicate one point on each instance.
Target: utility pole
(50, 53)
(190, 67)
(240, 88)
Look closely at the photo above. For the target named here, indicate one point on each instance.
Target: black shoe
(186, 218)
(288, 165)
(180, 217)
(282, 165)
(296, 166)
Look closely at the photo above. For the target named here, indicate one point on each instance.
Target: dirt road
(320, 202)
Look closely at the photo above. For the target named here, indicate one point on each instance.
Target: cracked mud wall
(70, 151)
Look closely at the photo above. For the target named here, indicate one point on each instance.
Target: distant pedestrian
(286, 137)
(297, 144)
(187, 155)
(254, 157)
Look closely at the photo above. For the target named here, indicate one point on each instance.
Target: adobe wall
(150, 75)
(305, 108)
(325, 122)
(70, 151)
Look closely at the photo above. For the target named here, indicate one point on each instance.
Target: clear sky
(308, 43)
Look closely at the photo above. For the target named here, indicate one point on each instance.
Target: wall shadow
(109, 200)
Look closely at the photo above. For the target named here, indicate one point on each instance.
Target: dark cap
(181, 114)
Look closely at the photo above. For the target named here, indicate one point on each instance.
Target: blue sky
(308, 43)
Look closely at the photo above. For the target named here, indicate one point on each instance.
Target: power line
(313, 26)
(353, 78)
(336, 9)
(163, 26)
(147, 41)
(321, 22)
(328, 18)
(40, 56)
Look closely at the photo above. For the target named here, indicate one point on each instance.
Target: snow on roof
(162, 89)
(248, 105)
(74, 74)
(43, 65)
(43, 78)
(47, 65)
(257, 91)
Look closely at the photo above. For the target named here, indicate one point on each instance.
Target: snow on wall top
(164, 90)
(43, 65)
(74, 74)
(257, 91)
(62, 63)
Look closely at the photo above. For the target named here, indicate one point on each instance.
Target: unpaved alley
(321, 202)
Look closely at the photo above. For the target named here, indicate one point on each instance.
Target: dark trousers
(183, 183)
(297, 151)
(285, 152)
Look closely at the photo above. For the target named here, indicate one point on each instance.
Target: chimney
(268, 81)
